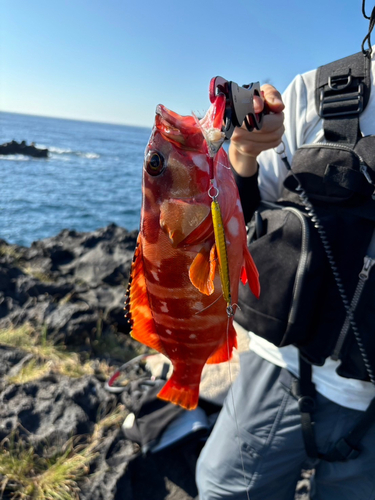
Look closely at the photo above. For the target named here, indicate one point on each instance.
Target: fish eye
(154, 163)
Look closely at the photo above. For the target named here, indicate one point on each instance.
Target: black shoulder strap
(342, 92)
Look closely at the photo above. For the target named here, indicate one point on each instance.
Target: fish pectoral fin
(249, 273)
(138, 306)
(202, 270)
(224, 352)
(179, 218)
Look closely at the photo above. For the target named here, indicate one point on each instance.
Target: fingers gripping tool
(239, 106)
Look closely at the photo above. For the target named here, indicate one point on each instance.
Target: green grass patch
(36, 273)
(26, 475)
(48, 358)
(10, 251)
(51, 473)
(117, 346)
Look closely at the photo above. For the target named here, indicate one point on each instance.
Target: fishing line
(228, 167)
(214, 302)
(221, 249)
(234, 406)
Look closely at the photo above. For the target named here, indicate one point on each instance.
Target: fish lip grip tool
(239, 107)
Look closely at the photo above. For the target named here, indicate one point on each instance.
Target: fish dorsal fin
(202, 270)
(139, 311)
(249, 273)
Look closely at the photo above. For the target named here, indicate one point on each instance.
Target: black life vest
(317, 285)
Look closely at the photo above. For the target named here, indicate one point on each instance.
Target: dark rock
(10, 358)
(48, 412)
(53, 408)
(14, 147)
(110, 477)
(70, 282)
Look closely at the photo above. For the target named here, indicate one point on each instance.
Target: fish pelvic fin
(178, 394)
(250, 274)
(202, 270)
(224, 352)
(138, 306)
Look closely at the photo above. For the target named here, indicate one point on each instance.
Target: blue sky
(115, 60)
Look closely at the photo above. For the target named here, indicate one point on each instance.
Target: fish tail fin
(224, 352)
(185, 396)
(249, 273)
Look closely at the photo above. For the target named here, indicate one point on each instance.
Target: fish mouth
(188, 132)
(183, 131)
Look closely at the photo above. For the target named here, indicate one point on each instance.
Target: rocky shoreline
(72, 287)
(72, 283)
(67, 292)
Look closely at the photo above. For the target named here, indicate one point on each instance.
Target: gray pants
(259, 446)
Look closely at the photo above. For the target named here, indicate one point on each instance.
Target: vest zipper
(300, 273)
(332, 145)
(363, 277)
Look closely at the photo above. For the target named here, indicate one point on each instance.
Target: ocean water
(92, 177)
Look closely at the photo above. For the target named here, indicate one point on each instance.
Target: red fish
(175, 299)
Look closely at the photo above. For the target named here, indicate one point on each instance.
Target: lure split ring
(213, 196)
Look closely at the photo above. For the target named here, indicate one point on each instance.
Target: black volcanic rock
(71, 283)
(21, 148)
(48, 412)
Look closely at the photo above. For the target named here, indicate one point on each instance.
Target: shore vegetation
(46, 357)
(42, 472)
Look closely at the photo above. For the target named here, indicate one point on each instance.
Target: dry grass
(48, 358)
(114, 418)
(14, 253)
(31, 371)
(10, 250)
(36, 273)
(25, 474)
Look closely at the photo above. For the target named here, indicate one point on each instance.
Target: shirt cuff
(248, 190)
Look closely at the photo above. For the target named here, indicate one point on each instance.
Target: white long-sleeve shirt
(304, 126)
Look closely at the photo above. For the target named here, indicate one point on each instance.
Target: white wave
(90, 156)
(15, 158)
(62, 151)
(59, 151)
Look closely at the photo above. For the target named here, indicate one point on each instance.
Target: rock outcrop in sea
(21, 148)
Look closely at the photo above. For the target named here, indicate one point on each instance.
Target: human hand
(245, 146)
